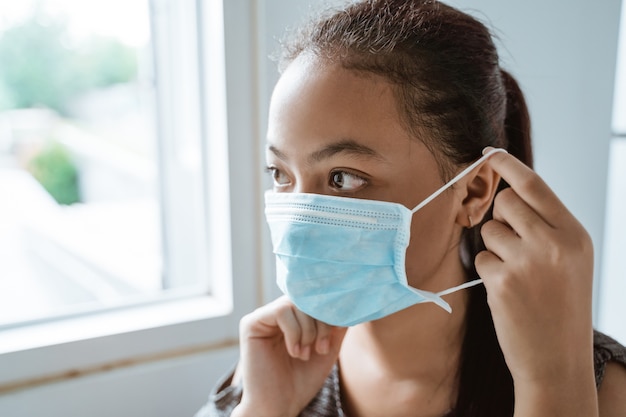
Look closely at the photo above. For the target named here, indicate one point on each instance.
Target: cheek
(434, 242)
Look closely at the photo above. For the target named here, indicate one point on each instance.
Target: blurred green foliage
(40, 67)
(55, 170)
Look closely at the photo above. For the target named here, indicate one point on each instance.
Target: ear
(480, 190)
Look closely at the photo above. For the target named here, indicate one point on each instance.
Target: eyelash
(332, 181)
(274, 172)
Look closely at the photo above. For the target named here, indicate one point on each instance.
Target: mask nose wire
(457, 178)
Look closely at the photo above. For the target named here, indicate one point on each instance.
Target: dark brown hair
(454, 97)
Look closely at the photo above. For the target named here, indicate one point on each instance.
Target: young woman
(383, 200)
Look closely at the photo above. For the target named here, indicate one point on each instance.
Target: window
(613, 285)
(102, 171)
(162, 280)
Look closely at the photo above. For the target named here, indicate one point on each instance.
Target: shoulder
(610, 367)
(605, 351)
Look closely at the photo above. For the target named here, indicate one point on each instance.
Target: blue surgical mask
(342, 260)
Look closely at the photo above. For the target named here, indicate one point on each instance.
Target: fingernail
(487, 149)
(323, 346)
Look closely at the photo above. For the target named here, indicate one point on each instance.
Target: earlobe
(480, 190)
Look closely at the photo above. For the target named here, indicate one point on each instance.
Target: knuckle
(323, 329)
(493, 228)
(487, 228)
(309, 331)
(308, 336)
(502, 287)
(583, 243)
(556, 254)
(504, 197)
(528, 184)
(283, 309)
(571, 248)
(244, 323)
(481, 257)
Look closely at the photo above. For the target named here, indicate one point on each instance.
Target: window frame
(610, 306)
(618, 122)
(80, 345)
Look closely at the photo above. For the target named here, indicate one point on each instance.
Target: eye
(280, 179)
(346, 181)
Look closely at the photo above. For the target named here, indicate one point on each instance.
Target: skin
(337, 132)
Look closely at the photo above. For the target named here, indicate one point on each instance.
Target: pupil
(338, 179)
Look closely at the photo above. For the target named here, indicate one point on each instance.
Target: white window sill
(82, 345)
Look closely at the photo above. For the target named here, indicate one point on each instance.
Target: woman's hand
(538, 272)
(285, 358)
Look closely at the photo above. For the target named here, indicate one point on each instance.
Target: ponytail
(517, 121)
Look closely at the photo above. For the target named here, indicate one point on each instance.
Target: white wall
(562, 52)
(176, 387)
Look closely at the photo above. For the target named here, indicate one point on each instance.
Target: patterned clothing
(327, 403)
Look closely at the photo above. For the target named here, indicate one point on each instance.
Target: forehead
(315, 101)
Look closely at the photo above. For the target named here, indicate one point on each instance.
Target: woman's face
(338, 132)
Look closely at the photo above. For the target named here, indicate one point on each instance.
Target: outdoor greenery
(54, 168)
(40, 67)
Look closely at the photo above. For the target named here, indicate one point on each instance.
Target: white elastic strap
(457, 178)
(460, 287)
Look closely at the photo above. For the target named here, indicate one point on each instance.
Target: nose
(308, 183)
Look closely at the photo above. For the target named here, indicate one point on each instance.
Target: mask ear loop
(444, 188)
(460, 287)
(457, 178)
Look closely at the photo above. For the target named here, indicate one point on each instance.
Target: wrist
(557, 398)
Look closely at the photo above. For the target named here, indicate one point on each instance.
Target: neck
(420, 340)
(423, 339)
(410, 357)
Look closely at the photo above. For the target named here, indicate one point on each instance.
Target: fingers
(303, 335)
(529, 187)
(500, 239)
(511, 210)
(529, 210)
(323, 342)
(487, 263)
(297, 330)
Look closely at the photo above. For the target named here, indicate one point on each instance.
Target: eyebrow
(347, 146)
